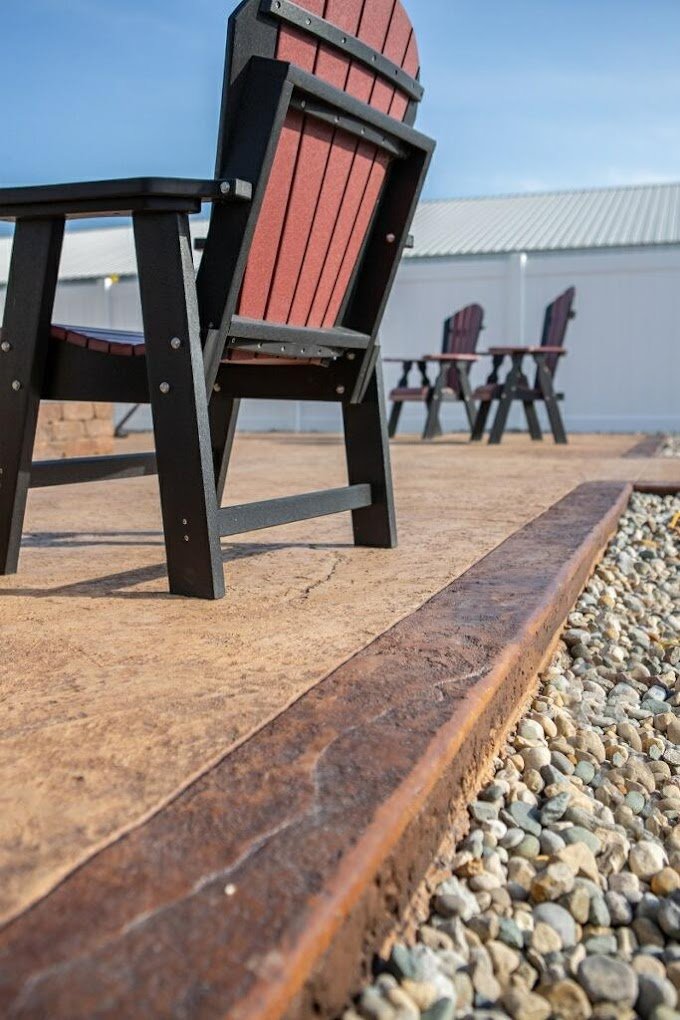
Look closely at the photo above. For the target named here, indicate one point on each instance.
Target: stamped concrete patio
(116, 696)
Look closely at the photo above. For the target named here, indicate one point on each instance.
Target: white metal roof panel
(552, 221)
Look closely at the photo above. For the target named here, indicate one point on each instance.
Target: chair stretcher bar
(75, 470)
(236, 520)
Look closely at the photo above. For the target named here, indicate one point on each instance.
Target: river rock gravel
(563, 901)
(671, 446)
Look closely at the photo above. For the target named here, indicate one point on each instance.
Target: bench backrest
(557, 317)
(461, 334)
(318, 199)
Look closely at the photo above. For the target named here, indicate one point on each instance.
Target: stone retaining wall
(74, 429)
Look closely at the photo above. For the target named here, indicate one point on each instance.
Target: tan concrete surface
(115, 695)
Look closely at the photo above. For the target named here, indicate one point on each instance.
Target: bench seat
(128, 344)
(494, 391)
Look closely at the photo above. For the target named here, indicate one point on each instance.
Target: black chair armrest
(119, 198)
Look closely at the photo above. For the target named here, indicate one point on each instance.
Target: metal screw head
(340, 390)
(184, 521)
(186, 538)
(164, 388)
(5, 346)
(391, 238)
(217, 388)
(16, 385)
(351, 356)
(225, 187)
(175, 343)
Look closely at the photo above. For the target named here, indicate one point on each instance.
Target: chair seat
(403, 393)
(127, 344)
(494, 391)
(419, 393)
(121, 343)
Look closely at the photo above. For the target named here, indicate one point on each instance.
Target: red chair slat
(357, 180)
(383, 97)
(395, 47)
(340, 163)
(557, 318)
(264, 252)
(272, 243)
(310, 173)
(334, 68)
(461, 334)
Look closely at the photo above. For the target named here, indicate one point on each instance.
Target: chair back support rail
(318, 175)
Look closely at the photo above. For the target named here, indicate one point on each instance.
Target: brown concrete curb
(649, 446)
(263, 890)
(657, 488)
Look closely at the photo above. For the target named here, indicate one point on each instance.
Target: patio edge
(264, 889)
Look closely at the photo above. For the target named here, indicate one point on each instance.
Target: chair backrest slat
(557, 318)
(461, 334)
(325, 184)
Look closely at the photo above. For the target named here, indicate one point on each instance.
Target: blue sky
(521, 94)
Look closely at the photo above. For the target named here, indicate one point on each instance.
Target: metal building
(620, 248)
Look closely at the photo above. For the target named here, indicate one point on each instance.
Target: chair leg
(532, 420)
(179, 404)
(465, 390)
(25, 340)
(368, 461)
(551, 404)
(556, 424)
(434, 402)
(223, 418)
(505, 403)
(480, 421)
(395, 415)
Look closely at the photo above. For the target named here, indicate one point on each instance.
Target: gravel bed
(564, 899)
(671, 447)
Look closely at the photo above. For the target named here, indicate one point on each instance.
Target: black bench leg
(556, 423)
(395, 415)
(368, 461)
(434, 402)
(223, 418)
(505, 403)
(465, 390)
(23, 356)
(532, 420)
(179, 404)
(481, 419)
(551, 404)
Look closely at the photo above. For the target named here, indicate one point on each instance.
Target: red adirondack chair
(319, 171)
(459, 344)
(517, 386)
